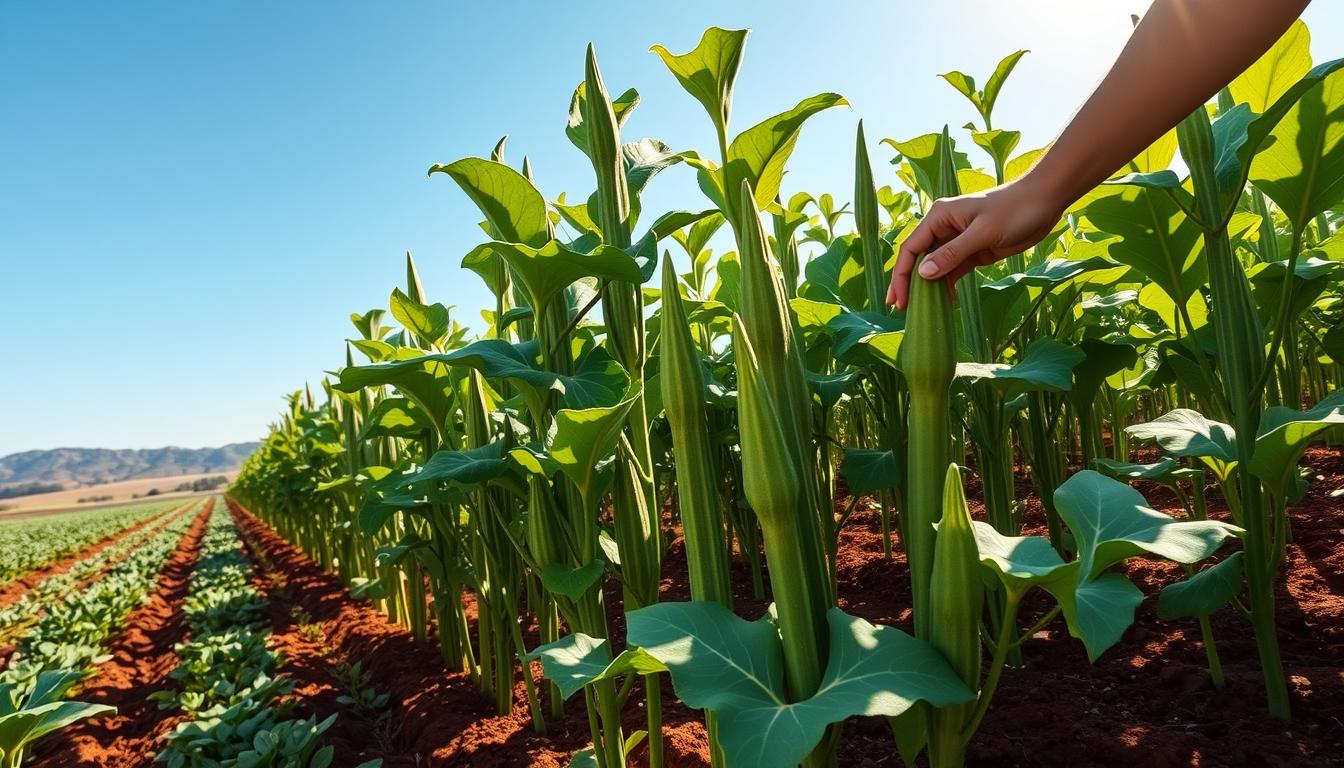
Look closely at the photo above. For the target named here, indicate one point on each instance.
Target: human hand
(962, 233)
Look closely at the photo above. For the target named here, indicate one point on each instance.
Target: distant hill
(88, 466)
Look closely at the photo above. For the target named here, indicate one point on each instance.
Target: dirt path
(142, 656)
(311, 660)
(440, 714)
(16, 589)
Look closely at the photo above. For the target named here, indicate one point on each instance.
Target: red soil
(142, 656)
(310, 660)
(1147, 701)
(440, 714)
(16, 589)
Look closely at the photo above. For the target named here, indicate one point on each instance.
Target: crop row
(228, 681)
(759, 395)
(18, 616)
(71, 635)
(34, 542)
(68, 641)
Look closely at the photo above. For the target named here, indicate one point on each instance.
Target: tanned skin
(1180, 55)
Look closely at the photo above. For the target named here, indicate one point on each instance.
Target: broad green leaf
(983, 100)
(1302, 170)
(813, 316)
(396, 553)
(1270, 77)
(641, 161)
(30, 724)
(395, 417)
(1101, 359)
(696, 239)
(1285, 433)
(868, 470)
(707, 72)
(583, 438)
(717, 660)
(1165, 179)
(994, 84)
(514, 208)
(1111, 521)
(836, 276)
(1205, 592)
(532, 459)
(632, 660)
(1004, 301)
(1154, 236)
(369, 324)
(1196, 315)
(1311, 277)
(734, 668)
(427, 321)
(499, 359)
(758, 155)
(50, 686)
(878, 670)
(1156, 156)
(621, 106)
(829, 388)
(573, 661)
(573, 583)
(1047, 364)
(599, 381)
(867, 338)
(1232, 139)
(971, 181)
(376, 351)
(576, 216)
(999, 144)
(1097, 611)
(1185, 432)
(546, 271)
(424, 379)
(468, 467)
(1158, 472)
(1048, 273)
(1019, 562)
(922, 153)
(1022, 163)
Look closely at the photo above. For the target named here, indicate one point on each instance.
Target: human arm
(1180, 54)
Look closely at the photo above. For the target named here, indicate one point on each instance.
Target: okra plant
(759, 396)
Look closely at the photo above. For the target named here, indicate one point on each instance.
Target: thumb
(951, 254)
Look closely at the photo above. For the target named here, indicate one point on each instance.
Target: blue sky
(194, 196)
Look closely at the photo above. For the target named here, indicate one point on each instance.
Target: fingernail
(928, 269)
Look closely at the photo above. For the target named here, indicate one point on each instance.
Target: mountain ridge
(88, 466)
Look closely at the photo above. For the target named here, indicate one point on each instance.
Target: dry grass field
(121, 492)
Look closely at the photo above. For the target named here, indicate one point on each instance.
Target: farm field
(437, 718)
(125, 491)
(705, 485)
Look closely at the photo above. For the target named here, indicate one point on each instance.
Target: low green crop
(31, 543)
(26, 717)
